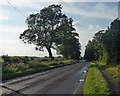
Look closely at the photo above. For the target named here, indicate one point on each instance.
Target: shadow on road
(13, 92)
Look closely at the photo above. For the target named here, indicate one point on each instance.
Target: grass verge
(13, 70)
(114, 72)
(112, 69)
(95, 83)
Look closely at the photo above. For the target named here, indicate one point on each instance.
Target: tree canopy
(48, 29)
(105, 45)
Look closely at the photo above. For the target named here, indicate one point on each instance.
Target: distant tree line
(51, 29)
(105, 45)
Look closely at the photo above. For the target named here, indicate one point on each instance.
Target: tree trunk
(50, 52)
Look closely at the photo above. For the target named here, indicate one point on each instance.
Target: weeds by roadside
(19, 66)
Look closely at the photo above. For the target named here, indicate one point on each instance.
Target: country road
(64, 80)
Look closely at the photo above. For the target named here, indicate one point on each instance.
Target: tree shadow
(14, 92)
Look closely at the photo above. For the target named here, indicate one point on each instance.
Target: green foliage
(90, 51)
(12, 69)
(95, 83)
(114, 72)
(105, 45)
(1, 59)
(70, 48)
(111, 42)
(48, 28)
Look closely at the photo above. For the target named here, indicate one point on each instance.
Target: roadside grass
(95, 83)
(112, 69)
(114, 72)
(16, 69)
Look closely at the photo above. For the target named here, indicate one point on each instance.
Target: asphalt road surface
(64, 80)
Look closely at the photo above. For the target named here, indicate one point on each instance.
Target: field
(95, 83)
(19, 66)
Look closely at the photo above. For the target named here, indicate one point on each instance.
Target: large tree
(45, 28)
(70, 47)
(68, 43)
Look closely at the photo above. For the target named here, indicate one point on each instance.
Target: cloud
(3, 18)
(26, 50)
(100, 10)
(90, 27)
(12, 29)
(98, 26)
(22, 7)
(1, 15)
(77, 24)
(23, 4)
(64, 0)
(17, 48)
(10, 33)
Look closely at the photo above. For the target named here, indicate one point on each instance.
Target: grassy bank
(114, 72)
(112, 69)
(95, 83)
(19, 66)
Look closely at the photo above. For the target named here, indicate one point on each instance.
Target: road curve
(64, 80)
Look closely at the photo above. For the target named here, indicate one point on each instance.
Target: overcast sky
(89, 18)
